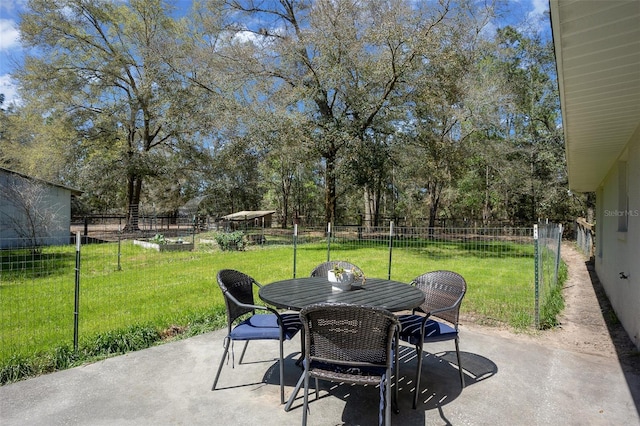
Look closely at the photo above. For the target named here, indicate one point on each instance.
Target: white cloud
(9, 90)
(246, 36)
(9, 34)
(537, 18)
(539, 7)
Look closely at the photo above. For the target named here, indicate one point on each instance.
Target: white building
(597, 45)
(33, 212)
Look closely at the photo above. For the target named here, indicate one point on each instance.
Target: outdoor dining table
(296, 293)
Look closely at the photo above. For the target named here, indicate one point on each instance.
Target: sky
(11, 51)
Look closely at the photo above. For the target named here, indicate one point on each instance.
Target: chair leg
(394, 402)
(302, 343)
(281, 372)
(246, 343)
(305, 405)
(418, 374)
(387, 402)
(459, 363)
(224, 355)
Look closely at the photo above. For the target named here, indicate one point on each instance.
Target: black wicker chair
(237, 289)
(443, 291)
(349, 344)
(323, 269)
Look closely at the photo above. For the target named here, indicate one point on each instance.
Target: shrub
(230, 240)
(158, 239)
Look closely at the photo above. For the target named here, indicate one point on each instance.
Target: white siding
(619, 252)
(55, 200)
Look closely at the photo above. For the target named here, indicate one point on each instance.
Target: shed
(33, 212)
(251, 218)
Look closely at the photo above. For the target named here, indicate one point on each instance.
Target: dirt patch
(172, 331)
(588, 323)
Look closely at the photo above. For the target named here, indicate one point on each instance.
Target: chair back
(240, 287)
(442, 289)
(349, 335)
(323, 269)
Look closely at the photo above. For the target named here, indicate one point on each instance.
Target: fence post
(76, 308)
(295, 247)
(537, 276)
(390, 247)
(193, 232)
(329, 241)
(555, 282)
(119, 248)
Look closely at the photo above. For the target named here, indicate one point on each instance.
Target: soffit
(597, 46)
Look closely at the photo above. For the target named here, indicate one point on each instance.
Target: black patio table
(296, 293)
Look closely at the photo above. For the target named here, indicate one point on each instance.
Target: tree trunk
(486, 208)
(434, 196)
(286, 193)
(134, 189)
(368, 208)
(330, 189)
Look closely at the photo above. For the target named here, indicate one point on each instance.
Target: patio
(586, 372)
(514, 380)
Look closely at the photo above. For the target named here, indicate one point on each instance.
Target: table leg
(294, 394)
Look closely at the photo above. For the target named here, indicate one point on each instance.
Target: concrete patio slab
(509, 381)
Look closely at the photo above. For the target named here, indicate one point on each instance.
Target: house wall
(54, 202)
(617, 248)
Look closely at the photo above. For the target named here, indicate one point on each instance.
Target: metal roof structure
(248, 215)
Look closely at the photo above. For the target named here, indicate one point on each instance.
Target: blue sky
(11, 52)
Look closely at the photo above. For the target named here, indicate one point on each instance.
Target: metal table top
(296, 293)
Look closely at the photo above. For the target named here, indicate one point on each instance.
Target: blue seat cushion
(435, 331)
(265, 327)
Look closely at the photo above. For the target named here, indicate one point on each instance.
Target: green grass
(178, 290)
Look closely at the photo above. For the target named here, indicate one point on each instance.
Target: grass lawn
(179, 288)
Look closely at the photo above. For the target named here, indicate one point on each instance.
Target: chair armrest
(448, 308)
(435, 311)
(257, 307)
(248, 305)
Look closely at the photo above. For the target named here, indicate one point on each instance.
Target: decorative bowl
(342, 281)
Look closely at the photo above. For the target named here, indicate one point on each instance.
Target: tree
(443, 114)
(347, 64)
(99, 62)
(282, 137)
(533, 133)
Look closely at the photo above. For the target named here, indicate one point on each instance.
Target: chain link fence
(61, 295)
(548, 241)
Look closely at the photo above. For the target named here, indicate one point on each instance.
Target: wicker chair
(349, 344)
(443, 291)
(237, 289)
(323, 269)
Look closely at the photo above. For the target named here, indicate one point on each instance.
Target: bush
(230, 240)
(158, 239)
